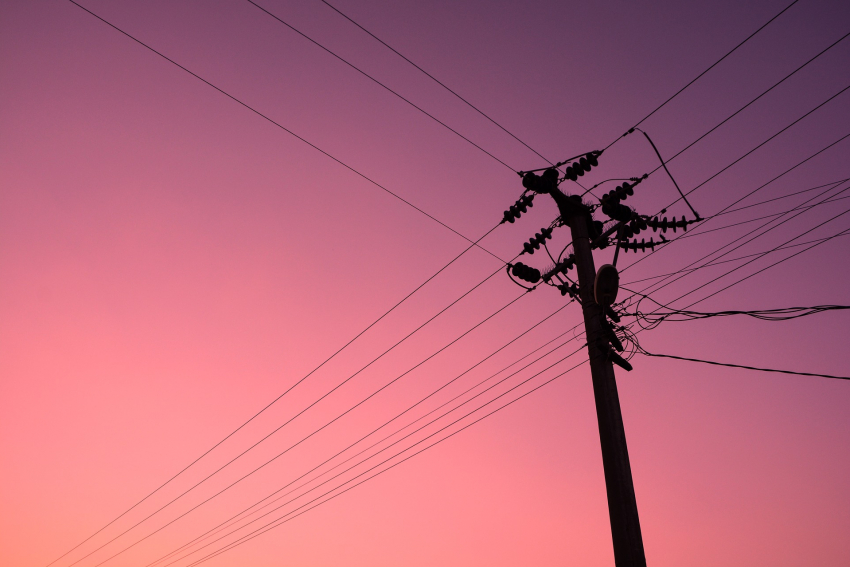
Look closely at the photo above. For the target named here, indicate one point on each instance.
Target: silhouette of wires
(764, 92)
(744, 242)
(771, 215)
(645, 352)
(317, 501)
(683, 196)
(291, 419)
(377, 82)
(724, 121)
(433, 78)
(205, 535)
(741, 242)
(630, 337)
(695, 79)
(282, 127)
(473, 244)
(749, 194)
(845, 232)
(651, 320)
(625, 332)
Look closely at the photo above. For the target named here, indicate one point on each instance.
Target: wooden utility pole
(622, 505)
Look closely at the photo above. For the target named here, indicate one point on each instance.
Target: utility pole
(622, 505)
(597, 292)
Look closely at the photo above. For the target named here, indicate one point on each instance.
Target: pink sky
(172, 262)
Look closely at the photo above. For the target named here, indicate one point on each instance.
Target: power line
(670, 175)
(295, 417)
(754, 191)
(290, 513)
(757, 257)
(269, 528)
(603, 342)
(818, 243)
(444, 414)
(681, 151)
(724, 121)
(783, 246)
(376, 81)
(488, 233)
(684, 196)
(782, 80)
(473, 244)
(270, 404)
(636, 125)
(763, 143)
(282, 127)
(433, 78)
(681, 315)
(750, 240)
(281, 520)
(642, 351)
(748, 221)
(792, 194)
(713, 263)
(477, 364)
(815, 243)
(712, 66)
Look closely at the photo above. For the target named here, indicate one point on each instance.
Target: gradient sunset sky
(172, 262)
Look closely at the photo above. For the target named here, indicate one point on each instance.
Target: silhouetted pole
(622, 505)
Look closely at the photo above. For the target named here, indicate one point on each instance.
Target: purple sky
(172, 262)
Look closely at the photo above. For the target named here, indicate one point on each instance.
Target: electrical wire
(640, 349)
(475, 243)
(842, 233)
(639, 123)
(433, 78)
(377, 82)
(278, 398)
(285, 129)
(755, 258)
(633, 338)
(680, 315)
(758, 255)
(644, 352)
(792, 194)
(450, 382)
(320, 497)
(670, 175)
(741, 244)
(683, 196)
(724, 121)
(441, 416)
(842, 91)
(755, 219)
(779, 82)
(245, 538)
(311, 405)
(291, 514)
(815, 243)
(695, 79)
(818, 243)
(754, 191)
(635, 126)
